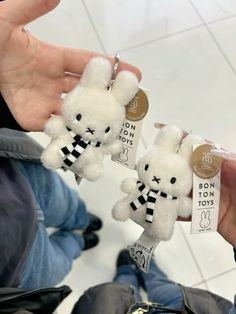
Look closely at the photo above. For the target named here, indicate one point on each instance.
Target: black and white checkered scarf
(148, 196)
(71, 152)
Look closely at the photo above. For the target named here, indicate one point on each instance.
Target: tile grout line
(158, 39)
(94, 27)
(193, 256)
(199, 283)
(221, 19)
(213, 37)
(172, 35)
(176, 33)
(221, 274)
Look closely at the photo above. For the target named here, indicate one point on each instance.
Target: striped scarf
(71, 152)
(148, 196)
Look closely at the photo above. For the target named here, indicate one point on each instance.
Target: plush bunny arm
(185, 207)
(128, 185)
(121, 210)
(113, 148)
(55, 126)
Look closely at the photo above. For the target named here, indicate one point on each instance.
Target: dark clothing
(17, 205)
(6, 118)
(18, 145)
(117, 298)
(204, 302)
(109, 298)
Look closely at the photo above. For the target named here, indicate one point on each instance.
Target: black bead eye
(107, 129)
(146, 167)
(172, 180)
(78, 117)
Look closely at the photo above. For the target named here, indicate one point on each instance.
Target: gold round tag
(204, 164)
(137, 108)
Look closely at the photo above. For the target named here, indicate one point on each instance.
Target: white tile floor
(186, 51)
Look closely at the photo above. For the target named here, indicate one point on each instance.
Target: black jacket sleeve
(6, 118)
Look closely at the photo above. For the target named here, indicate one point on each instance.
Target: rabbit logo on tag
(124, 155)
(205, 219)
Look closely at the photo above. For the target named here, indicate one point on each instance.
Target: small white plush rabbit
(91, 121)
(161, 193)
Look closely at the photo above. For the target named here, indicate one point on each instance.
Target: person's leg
(126, 273)
(62, 207)
(160, 288)
(50, 258)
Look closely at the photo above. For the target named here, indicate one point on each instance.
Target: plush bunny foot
(92, 173)
(163, 230)
(120, 211)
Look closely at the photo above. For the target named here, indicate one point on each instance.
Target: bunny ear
(168, 138)
(97, 73)
(125, 87)
(203, 215)
(186, 147)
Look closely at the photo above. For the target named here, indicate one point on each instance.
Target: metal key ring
(114, 71)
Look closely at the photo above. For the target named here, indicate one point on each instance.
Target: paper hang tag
(137, 108)
(142, 251)
(130, 133)
(206, 189)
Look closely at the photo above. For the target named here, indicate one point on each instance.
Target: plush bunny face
(92, 111)
(96, 116)
(170, 174)
(165, 166)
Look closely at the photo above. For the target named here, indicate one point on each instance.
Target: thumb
(22, 12)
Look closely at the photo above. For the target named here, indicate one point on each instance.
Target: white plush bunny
(91, 121)
(161, 193)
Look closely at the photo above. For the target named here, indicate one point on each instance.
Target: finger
(128, 67)
(57, 108)
(22, 12)
(160, 125)
(184, 219)
(75, 61)
(220, 152)
(69, 82)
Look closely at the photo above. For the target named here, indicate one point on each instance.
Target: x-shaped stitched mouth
(90, 131)
(156, 179)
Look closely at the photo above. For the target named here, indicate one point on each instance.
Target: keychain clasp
(114, 70)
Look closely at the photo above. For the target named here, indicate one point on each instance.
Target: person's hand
(227, 214)
(33, 74)
(227, 209)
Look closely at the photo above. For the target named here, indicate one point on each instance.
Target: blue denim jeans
(58, 206)
(233, 310)
(159, 288)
